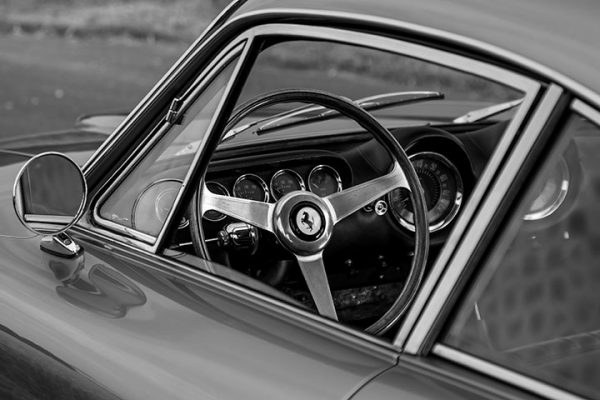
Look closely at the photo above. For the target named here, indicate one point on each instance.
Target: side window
(143, 199)
(535, 308)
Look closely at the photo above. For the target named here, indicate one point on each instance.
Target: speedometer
(251, 187)
(442, 187)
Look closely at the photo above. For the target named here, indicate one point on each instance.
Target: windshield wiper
(486, 112)
(313, 113)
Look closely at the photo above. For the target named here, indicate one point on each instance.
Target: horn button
(307, 222)
(303, 222)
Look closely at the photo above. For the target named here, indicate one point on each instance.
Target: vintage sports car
(322, 200)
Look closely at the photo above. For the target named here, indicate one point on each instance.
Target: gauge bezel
(183, 224)
(456, 203)
(223, 216)
(335, 173)
(281, 172)
(565, 183)
(261, 182)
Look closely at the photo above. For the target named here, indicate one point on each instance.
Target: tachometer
(323, 180)
(443, 189)
(251, 187)
(285, 181)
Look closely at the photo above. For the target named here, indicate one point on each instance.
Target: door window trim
(417, 338)
(503, 373)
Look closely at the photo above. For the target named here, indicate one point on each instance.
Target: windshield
(357, 73)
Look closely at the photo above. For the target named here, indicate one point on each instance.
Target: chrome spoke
(354, 198)
(256, 213)
(313, 270)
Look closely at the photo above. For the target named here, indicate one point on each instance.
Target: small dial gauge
(443, 189)
(285, 181)
(251, 187)
(216, 188)
(323, 180)
(153, 206)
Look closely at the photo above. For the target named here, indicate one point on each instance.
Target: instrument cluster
(322, 180)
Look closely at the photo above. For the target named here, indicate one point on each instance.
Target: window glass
(357, 72)
(144, 198)
(536, 308)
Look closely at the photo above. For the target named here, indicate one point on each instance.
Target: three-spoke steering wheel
(303, 222)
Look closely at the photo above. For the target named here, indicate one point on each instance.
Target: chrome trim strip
(590, 113)
(434, 298)
(169, 76)
(235, 49)
(506, 375)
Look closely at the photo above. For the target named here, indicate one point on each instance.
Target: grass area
(172, 20)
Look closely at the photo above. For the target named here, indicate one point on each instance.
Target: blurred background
(60, 59)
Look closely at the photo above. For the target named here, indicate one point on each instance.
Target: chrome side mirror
(49, 193)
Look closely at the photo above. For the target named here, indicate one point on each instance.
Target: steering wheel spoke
(350, 200)
(313, 270)
(253, 212)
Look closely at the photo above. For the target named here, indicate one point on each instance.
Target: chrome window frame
(237, 49)
(478, 363)
(527, 86)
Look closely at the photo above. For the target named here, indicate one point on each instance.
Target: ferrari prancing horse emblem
(308, 221)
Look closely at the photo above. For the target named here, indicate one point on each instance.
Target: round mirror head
(49, 193)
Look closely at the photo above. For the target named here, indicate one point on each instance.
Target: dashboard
(369, 253)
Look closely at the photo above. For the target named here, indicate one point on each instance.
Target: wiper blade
(486, 112)
(313, 113)
(371, 103)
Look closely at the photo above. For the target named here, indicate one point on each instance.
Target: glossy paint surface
(561, 35)
(143, 333)
(418, 378)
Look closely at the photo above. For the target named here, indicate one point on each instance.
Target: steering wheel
(303, 222)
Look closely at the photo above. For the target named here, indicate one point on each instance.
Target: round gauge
(154, 204)
(285, 181)
(216, 188)
(324, 180)
(163, 203)
(442, 187)
(251, 187)
(552, 194)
